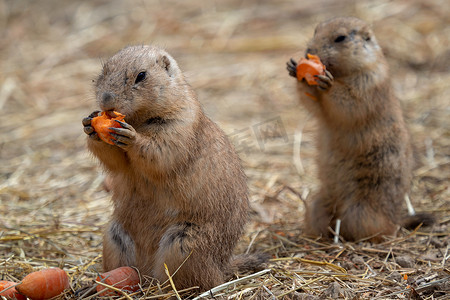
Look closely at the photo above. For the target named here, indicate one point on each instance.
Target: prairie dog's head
(347, 46)
(144, 83)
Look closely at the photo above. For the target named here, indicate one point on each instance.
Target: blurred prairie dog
(364, 159)
(179, 192)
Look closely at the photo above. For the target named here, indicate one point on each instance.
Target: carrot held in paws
(102, 124)
(307, 68)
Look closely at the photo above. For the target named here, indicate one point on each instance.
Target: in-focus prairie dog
(179, 192)
(364, 159)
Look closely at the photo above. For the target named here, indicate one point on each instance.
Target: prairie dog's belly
(146, 225)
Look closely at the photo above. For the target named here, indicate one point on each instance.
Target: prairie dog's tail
(251, 262)
(412, 221)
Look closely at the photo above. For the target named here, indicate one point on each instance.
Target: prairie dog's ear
(366, 33)
(166, 64)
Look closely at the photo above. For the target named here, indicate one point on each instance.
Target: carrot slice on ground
(124, 278)
(308, 67)
(11, 293)
(102, 124)
(44, 284)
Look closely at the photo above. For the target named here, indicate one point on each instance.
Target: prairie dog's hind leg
(187, 246)
(118, 247)
(318, 217)
(361, 221)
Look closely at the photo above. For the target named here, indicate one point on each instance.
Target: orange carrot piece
(311, 96)
(102, 124)
(11, 293)
(44, 284)
(307, 68)
(124, 278)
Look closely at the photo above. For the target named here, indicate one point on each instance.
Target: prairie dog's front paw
(87, 126)
(125, 136)
(324, 81)
(291, 66)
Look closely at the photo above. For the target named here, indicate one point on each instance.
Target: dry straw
(53, 206)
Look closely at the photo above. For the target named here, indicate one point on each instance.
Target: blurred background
(234, 54)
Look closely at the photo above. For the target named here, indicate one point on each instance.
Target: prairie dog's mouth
(112, 113)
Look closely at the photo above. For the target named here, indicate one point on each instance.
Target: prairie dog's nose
(107, 101)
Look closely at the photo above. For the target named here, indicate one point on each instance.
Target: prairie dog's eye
(340, 38)
(140, 77)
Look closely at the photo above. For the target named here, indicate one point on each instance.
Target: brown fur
(177, 183)
(364, 159)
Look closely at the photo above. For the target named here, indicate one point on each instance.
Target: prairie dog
(179, 192)
(365, 157)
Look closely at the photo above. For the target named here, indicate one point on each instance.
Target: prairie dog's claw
(124, 136)
(292, 67)
(324, 81)
(87, 127)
